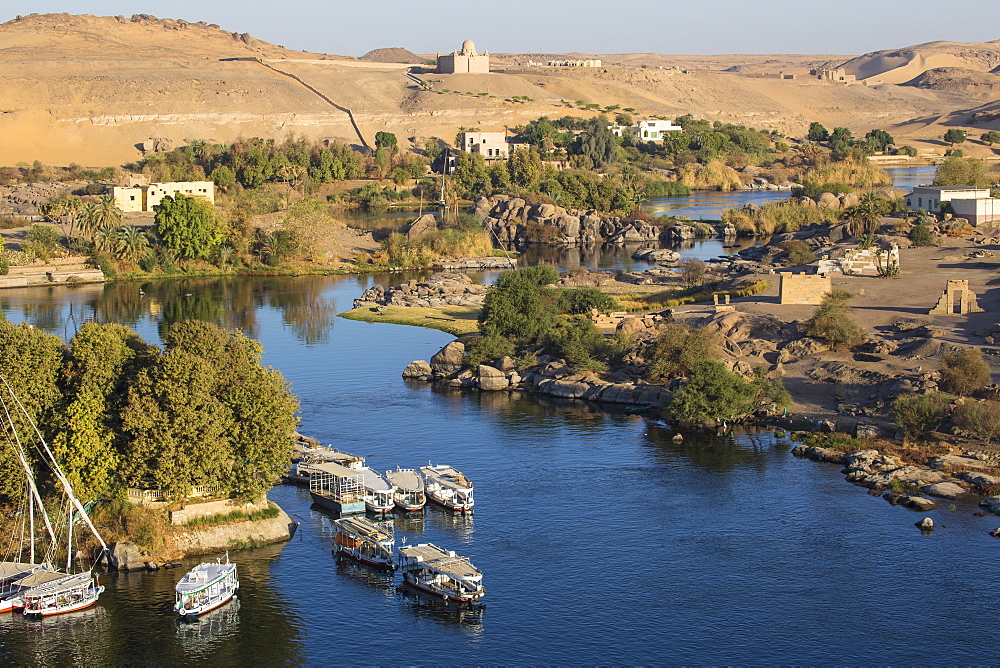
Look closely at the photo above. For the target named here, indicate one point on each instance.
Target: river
(600, 539)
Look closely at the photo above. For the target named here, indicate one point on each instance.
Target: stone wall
(220, 507)
(236, 535)
(804, 288)
(437, 290)
(70, 270)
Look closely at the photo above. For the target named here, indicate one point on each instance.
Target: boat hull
(194, 614)
(444, 595)
(327, 503)
(357, 558)
(451, 505)
(83, 604)
(410, 507)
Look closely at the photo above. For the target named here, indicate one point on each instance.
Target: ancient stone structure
(440, 289)
(465, 61)
(861, 262)
(957, 299)
(723, 305)
(804, 288)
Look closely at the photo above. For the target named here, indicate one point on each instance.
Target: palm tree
(109, 215)
(87, 218)
(130, 245)
(104, 240)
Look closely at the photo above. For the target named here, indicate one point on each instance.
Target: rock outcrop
(437, 290)
(125, 556)
(513, 220)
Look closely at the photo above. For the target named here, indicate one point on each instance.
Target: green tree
(878, 140)
(386, 140)
(598, 143)
(678, 349)
(954, 136)
(712, 392)
(206, 412)
(519, 306)
(921, 415)
(991, 137)
(102, 360)
(580, 301)
(109, 216)
(579, 342)
(962, 172)
(308, 221)
(471, 175)
(188, 225)
(817, 132)
(525, 167)
(840, 135)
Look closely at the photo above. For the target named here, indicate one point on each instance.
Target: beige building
(490, 145)
(145, 197)
(466, 61)
(976, 211)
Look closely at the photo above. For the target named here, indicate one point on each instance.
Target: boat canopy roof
(373, 480)
(335, 469)
(364, 528)
(41, 583)
(9, 569)
(442, 561)
(322, 454)
(202, 576)
(405, 480)
(446, 476)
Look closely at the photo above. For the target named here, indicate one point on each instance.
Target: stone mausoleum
(466, 61)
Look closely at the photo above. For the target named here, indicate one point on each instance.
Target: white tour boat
(370, 543)
(377, 491)
(302, 468)
(205, 587)
(61, 593)
(447, 486)
(12, 575)
(441, 572)
(409, 492)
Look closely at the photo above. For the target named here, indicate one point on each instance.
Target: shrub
(978, 419)
(832, 323)
(580, 343)
(964, 372)
(43, 240)
(712, 392)
(679, 349)
(922, 236)
(799, 253)
(486, 349)
(519, 306)
(581, 300)
(920, 415)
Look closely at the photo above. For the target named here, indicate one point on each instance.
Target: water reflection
(71, 638)
(373, 580)
(467, 617)
(745, 450)
(201, 635)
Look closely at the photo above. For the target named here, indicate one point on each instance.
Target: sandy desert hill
(88, 89)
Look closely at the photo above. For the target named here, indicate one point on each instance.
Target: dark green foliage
(816, 189)
(906, 150)
(878, 140)
(598, 143)
(979, 419)
(920, 415)
(579, 342)
(666, 189)
(799, 253)
(817, 132)
(94, 189)
(922, 235)
(519, 306)
(487, 349)
(582, 300)
(954, 136)
(387, 141)
(678, 350)
(964, 372)
(832, 322)
(712, 392)
(991, 137)
(188, 225)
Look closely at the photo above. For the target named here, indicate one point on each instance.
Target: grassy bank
(455, 320)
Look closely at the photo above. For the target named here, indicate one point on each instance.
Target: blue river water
(600, 539)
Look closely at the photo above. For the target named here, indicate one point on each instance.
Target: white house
(491, 145)
(929, 198)
(646, 130)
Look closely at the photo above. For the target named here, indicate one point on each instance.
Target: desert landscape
(90, 90)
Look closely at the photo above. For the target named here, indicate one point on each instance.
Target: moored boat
(12, 575)
(441, 572)
(448, 487)
(370, 543)
(337, 488)
(378, 494)
(61, 593)
(302, 467)
(205, 587)
(408, 489)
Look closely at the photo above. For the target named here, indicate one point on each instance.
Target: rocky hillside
(898, 66)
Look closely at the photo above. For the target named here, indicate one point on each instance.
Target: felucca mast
(30, 477)
(56, 469)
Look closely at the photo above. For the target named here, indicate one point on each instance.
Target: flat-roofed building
(930, 198)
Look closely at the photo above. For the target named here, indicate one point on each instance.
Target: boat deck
(12, 569)
(406, 480)
(371, 479)
(365, 529)
(40, 583)
(440, 560)
(446, 476)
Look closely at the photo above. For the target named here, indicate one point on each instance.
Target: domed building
(466, 61)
